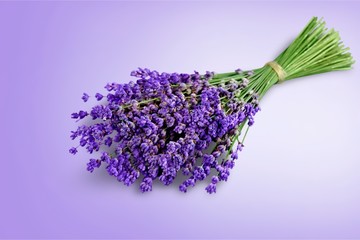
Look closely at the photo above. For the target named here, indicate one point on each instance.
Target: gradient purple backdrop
(298, 176)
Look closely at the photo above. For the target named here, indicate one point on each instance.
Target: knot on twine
(278, 70)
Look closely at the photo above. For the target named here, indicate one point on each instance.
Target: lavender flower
(211, 188)
(98, 96)
(165, 124)
(92, 164)
(73, 150)
(85, 97)
(82, 114)
(161, 125)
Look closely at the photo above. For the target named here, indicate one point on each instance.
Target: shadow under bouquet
(166, 124)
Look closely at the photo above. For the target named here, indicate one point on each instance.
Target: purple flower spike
(85, 97)
(211, 188)
(73, 150)
(239, 71)
(82, 114)
(146, 185)
(92, 164)
(98, 96)
(75, 115)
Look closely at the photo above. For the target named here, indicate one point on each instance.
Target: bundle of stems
(315, 50)
(168, 123)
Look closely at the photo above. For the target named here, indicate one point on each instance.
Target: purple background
(298, 176)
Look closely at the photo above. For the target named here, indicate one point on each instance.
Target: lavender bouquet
(166, 124)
